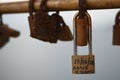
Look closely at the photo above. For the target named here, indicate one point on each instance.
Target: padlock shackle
(1, 22)
(82, 8)
(89, 34)
(31, 7)
(117, 18)
(74, 36)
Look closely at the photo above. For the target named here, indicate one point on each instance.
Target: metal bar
(61, 5)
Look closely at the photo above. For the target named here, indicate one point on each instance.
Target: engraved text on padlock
(83, 64)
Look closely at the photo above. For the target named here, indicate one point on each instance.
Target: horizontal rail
(61, 5)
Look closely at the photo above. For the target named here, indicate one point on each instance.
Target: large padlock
(42, 25)
(116, 30)
(83, 64)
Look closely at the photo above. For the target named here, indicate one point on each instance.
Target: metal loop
(31, 7)
(82, 8)
(117, 19)
(42, 5)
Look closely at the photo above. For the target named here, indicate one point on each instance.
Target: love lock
(83, 64)
(116, 30)
(42, 25)
(64, 31)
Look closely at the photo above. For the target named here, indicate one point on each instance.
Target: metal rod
(74, 37)
(61, 5)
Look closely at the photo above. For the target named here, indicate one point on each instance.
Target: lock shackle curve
(31, 7)
(89, 33)
(82, 8)
(117, 18)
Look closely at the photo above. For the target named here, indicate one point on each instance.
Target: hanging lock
(83, 64)
(64, 30)
(116, 30)
(42, 25)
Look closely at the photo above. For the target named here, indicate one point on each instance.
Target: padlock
(83, 64)
(116, 30)
(42, 25)
(64, 31)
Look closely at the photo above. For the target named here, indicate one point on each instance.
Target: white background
(25, 58)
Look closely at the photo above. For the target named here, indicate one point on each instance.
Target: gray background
(25, 58)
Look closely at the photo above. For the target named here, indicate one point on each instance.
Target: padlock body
(65, 33)
(81, 32)
(83, 64)
(116, 34)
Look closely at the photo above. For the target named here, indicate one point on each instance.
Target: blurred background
(26, 58)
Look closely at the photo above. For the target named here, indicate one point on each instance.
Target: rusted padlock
(116, 30)
(64, 31)
(42, 25)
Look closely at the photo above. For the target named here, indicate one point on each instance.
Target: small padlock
(83, 64)
(64, 30)
(116, 30)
